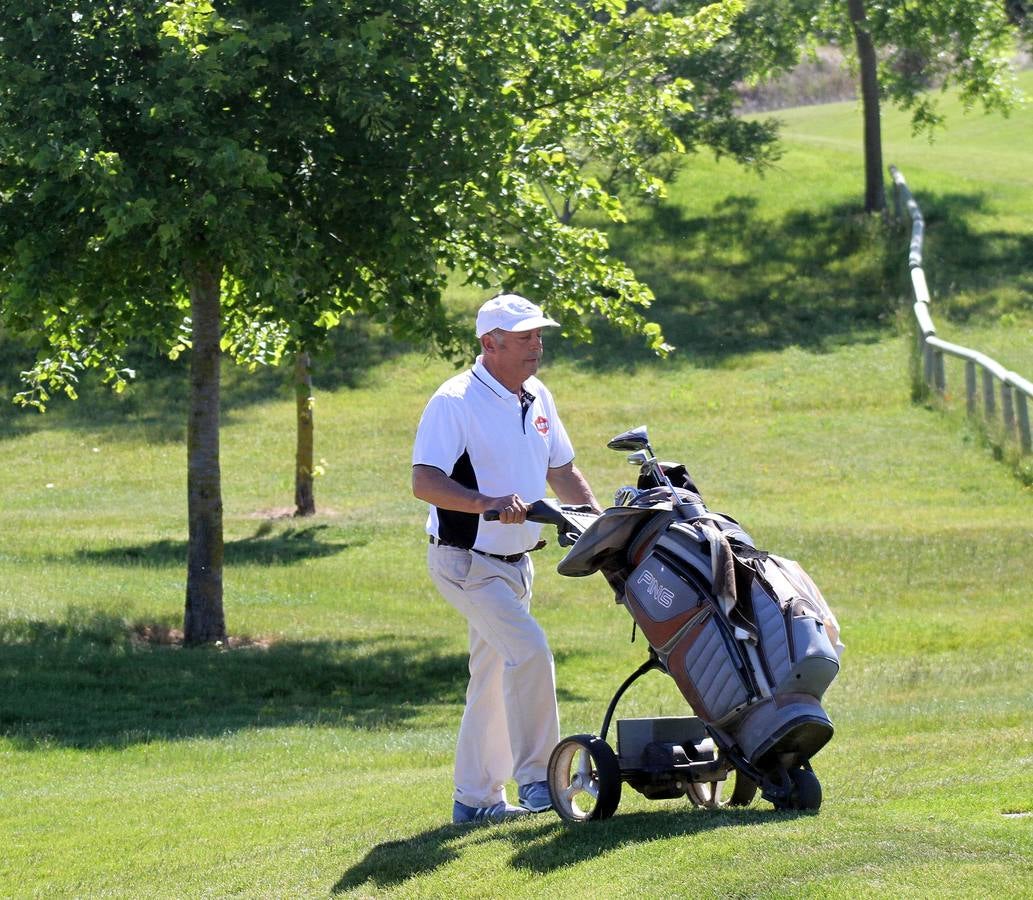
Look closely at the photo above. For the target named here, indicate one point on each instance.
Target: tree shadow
(973, 274)
(99, 681)
(541, 848)
(729, 282)
(287, 547)
(155, 403)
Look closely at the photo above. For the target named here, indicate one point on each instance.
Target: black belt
(510, 558)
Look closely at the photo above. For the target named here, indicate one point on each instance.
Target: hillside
(315, 757)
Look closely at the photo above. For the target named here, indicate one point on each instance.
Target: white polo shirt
(479, 433)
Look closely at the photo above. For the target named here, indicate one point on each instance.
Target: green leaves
(937, 44)
(328, 159)
(189, 22)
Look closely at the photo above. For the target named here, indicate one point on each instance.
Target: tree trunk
(304, 497)
(204, 621)
(874, 191)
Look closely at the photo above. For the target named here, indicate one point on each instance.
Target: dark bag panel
(709, 672)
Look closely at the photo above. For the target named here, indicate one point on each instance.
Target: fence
(1014, 391)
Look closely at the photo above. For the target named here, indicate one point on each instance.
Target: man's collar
(481, 373)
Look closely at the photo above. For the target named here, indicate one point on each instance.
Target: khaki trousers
(510, 724)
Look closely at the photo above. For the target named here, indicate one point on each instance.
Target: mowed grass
(974, 185)
(315, 758)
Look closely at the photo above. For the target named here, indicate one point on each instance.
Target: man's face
(515, 355)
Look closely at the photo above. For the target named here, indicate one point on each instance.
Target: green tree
(756, 42)
(907, 52)
(222, 177)
(904, 52)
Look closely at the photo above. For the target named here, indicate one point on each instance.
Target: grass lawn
(974, 184)
(315, 758)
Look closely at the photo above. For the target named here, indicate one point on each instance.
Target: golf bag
(745, 634)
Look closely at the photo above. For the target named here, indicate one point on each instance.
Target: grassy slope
(974, 184)
(322, 763)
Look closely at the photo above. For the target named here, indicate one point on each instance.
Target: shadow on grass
(729, 282)
(98, 681)
(286, 547)
(546, 847)
(974, 275)
(156, 402)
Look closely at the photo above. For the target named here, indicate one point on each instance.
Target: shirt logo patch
(542, 424)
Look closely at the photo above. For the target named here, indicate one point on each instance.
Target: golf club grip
(544, 512)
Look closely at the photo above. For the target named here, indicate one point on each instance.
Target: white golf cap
(511, 312)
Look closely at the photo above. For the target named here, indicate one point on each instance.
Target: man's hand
(512, 509)
(434, 486)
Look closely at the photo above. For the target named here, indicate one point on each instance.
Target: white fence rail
(1014, 391)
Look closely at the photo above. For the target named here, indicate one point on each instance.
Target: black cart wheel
(735, 790)
(805, 790)
(584, 779)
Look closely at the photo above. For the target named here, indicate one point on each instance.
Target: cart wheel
(716, 794)
(804, 790)
(584, 779)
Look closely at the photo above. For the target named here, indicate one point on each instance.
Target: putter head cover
(678, 475)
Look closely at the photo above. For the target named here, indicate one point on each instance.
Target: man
(490, 439)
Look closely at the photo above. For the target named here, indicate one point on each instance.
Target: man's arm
(435, 487)
(571, 486)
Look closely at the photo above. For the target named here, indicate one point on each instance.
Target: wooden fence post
(989, 405)
(1015, 390)
(1023, 415)
(970, 386)
(1007, 407)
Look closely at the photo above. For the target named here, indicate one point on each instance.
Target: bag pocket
(814, 661)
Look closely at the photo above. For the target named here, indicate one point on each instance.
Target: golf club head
(635, 439)
(625, 496)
